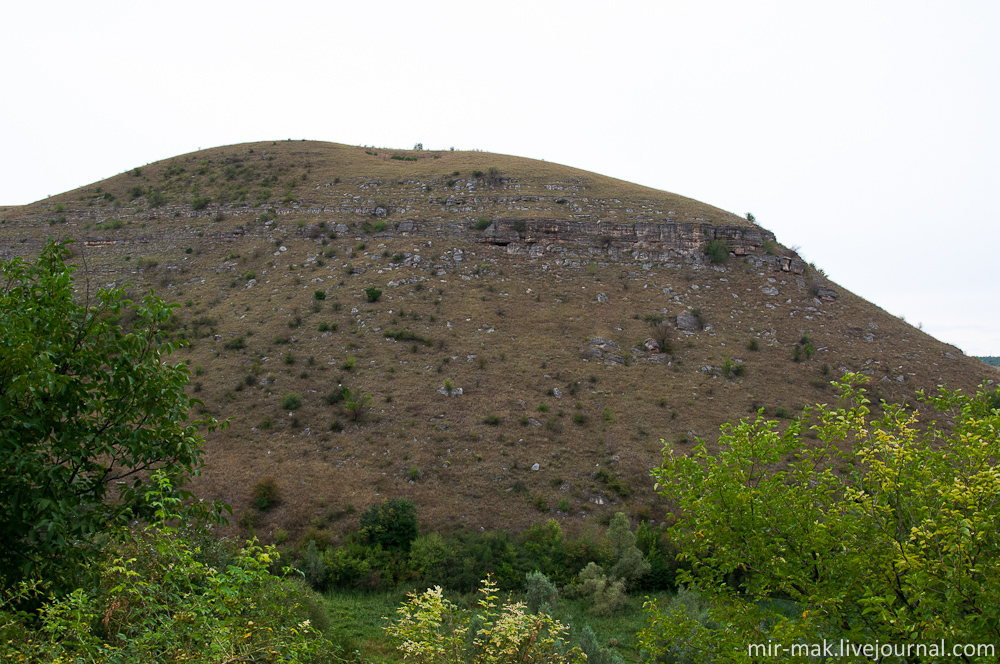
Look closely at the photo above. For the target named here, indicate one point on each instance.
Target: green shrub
(492, 420)
(313, 567)
(289, 358)
(482, 224)
(373, 294)
(609, 415)
(291, 401)
(319, 295)
(732, 369)
(606, 595)
(391, 524)
(610, 480)
(753, 344)
(717, 251)
(335, 396)
(540, 594)
(266, 494)
(349, 363)
(355, 403)
(597, 654)
(236, 343)
(199, 202)
(413, 473)
(163, 594)
(156, 199)
(432, 629)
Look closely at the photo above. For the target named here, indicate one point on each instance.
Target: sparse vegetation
(266, 494)
(291, 401)
(717, 251)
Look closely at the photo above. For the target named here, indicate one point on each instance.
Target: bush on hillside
(717, 251)
(391, 524)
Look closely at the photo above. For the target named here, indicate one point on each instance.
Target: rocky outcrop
(536, 237)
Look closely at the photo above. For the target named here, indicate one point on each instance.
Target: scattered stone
(768, 290)
(614, 359)
(651, 345)
(455, 391)
(825, 293)
(557, 393)
(603, 343)
(535, 466)
(688, 323)
(601, 297)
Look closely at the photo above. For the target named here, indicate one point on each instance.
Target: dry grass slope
(507, 385)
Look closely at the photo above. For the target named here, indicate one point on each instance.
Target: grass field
(357, 622)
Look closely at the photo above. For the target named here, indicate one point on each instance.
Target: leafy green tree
(630, 565)
(876, 530)
(87, 410)
(392, 524)
(313, 567)
(540, 594)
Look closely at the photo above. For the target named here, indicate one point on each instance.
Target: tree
(87, 410)
(391, 524)
(630, 564)
(877, 530)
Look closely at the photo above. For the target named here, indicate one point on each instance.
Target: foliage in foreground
(158, 596)
(87, 409)
(894, 541)
(432, 630)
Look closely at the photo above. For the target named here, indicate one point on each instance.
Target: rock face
(659, 240)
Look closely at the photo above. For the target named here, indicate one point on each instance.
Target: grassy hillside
(270, 251)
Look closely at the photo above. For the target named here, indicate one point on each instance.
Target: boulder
(688, 323)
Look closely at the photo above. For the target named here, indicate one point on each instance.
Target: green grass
(356, 621)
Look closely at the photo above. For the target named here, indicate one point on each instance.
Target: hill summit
(499, 339)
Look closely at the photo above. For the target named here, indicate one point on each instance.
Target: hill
(539, 329)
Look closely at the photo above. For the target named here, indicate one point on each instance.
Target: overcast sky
(865, 133)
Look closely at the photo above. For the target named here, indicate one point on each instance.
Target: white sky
(865, 133)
